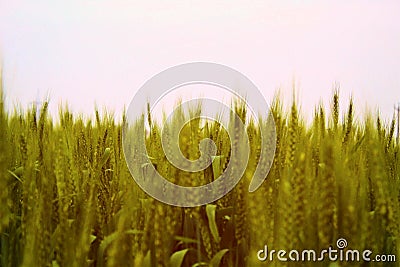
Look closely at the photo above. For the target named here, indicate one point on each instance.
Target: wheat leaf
(216, 260)
(210, 210)
(177, 258)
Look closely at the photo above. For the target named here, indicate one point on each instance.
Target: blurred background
(98, 53)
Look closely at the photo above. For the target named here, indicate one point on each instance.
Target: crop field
(67, 197)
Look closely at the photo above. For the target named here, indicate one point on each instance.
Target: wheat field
(67, 197)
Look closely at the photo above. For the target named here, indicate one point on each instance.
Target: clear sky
(100, 52)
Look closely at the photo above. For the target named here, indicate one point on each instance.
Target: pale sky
(97, 52)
